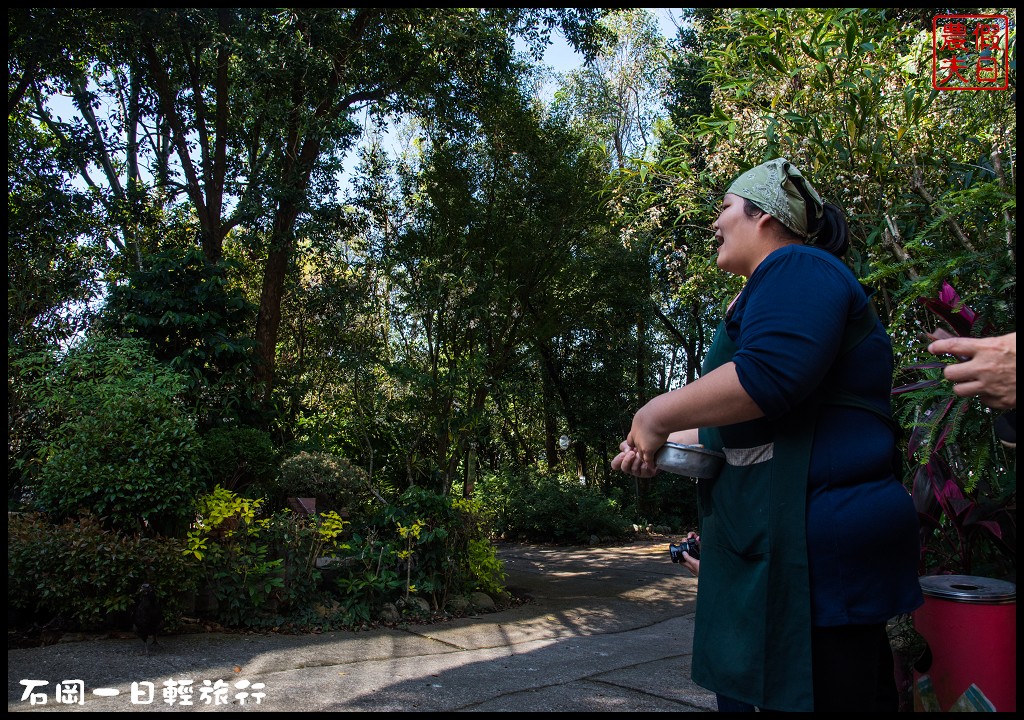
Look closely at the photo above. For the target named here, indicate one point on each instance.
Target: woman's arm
(713, 400)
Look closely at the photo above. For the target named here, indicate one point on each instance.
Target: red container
(970, 624)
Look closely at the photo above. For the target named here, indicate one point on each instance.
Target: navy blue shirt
(862, 529)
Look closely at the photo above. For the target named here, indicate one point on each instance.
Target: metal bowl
(694, 461)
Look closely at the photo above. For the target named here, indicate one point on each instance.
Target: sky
(562, 58)
(559, 56)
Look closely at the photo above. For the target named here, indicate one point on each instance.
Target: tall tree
(618, 96)
(504, 284)
(257, 104)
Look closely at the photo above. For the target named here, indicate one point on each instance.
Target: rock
(458, 604)
(323, 611)
(414, 605)
(482, 601)
(389, 613)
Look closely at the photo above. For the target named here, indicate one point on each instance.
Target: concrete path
(607, 629)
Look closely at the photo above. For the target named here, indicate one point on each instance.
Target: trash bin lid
(969, 589)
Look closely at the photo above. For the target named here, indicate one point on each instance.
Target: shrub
(239, 457)
(336, 483)
(427, 544)
(260, 570)
(485, 568)
(88, 574)
(538, 507)
(120, 445)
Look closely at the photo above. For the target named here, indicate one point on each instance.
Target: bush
(239, 457)
(336, 483)
(120, 445)
(670, 500)
(487, 571)
(428, 545)
(537, 507)
(88, 574)
(260, 570)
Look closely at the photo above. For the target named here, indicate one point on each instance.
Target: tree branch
(997, 165)
(891, 237)
(919, 187)
(27, 78)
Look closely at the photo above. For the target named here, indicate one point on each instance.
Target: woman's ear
(764, 223)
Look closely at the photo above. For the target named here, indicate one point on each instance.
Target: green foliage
(89, 574)
(335, 482)
(668, 500)
(433, 533)
(615, 98)
(195, 320)
(260, 570)
(485, 567)
(427, 545)
(118, 443)
(363, 591)
(52, 275)
(538, 507)
(238, 457)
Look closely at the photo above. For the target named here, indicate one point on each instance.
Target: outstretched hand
(987, 368)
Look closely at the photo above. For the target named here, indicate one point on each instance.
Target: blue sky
(563, 59)
(558, 56)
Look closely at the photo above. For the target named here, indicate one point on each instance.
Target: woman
(809, 541)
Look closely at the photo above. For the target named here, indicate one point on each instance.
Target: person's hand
(987, 368)
(629, 462)
(692, 564)
(645, 437)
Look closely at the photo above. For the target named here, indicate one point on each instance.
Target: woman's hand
(646, 436)
(629, 462)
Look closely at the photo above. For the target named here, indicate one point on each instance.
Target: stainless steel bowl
(693, 461)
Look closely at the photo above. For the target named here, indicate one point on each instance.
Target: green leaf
(774, 60)
(851, 38)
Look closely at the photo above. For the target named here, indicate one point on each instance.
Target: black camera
(690, 545)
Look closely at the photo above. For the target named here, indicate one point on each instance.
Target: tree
(119, 443)
(54, 253)
(257, 106)
(195, 320)
(617, 96)
(499, 274)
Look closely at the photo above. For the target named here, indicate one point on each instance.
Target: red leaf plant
(953, 519)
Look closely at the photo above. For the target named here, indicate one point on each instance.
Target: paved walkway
(608, 629)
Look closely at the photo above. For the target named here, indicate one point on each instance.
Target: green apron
(752, 640)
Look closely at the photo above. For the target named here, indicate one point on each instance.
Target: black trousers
(853, 671)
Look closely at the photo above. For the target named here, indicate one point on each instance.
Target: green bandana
(775, 187)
